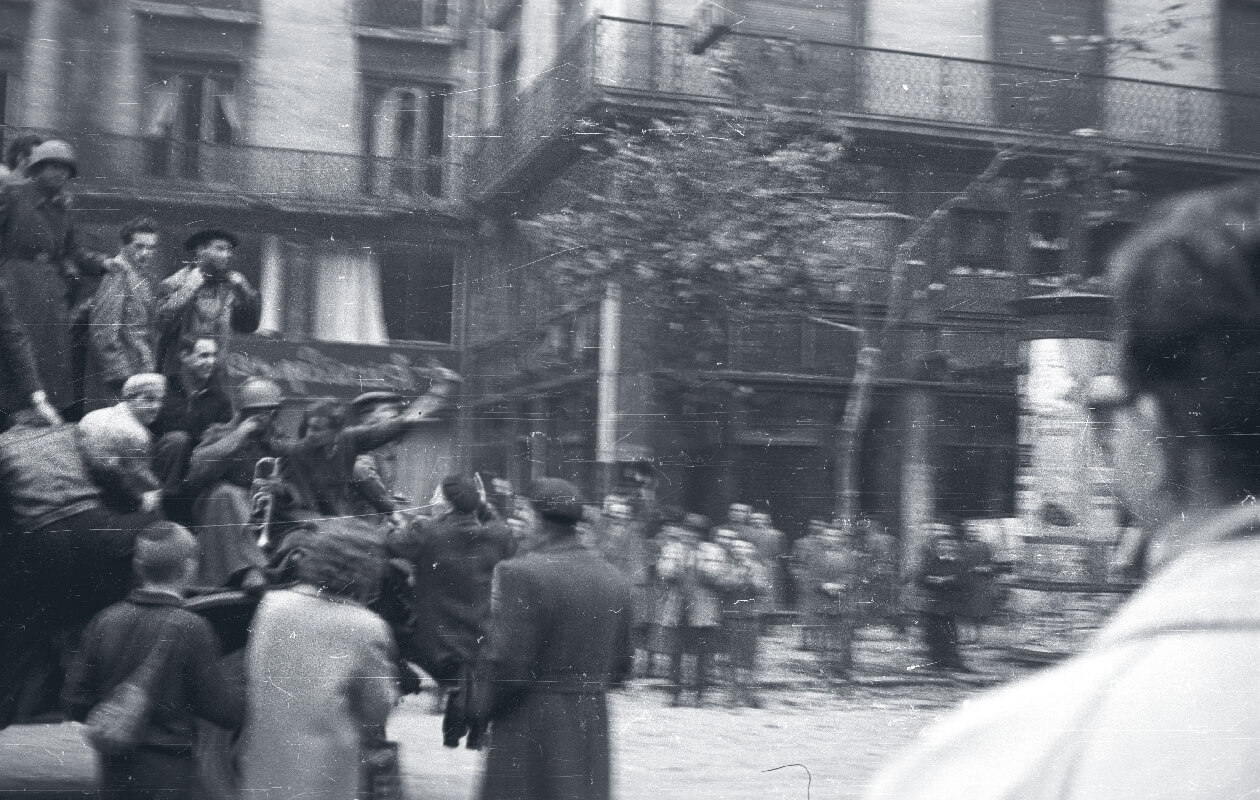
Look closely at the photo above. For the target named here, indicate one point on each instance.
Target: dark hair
(334, 411)
(341, 557)
(137, 225)
(1188, 309)
(20, 148)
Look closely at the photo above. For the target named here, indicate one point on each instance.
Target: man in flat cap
(559, 638)
(206, 298)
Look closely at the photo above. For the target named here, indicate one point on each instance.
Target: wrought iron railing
(108, 161)
(613, 57)
(407, 13)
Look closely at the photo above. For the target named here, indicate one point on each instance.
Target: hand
(151, 501)
(237, 279)
(255, 425)
(39, 402)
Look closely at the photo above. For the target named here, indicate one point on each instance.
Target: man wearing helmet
(41, 264)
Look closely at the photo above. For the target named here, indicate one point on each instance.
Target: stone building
(1118, 107)
(322, 132)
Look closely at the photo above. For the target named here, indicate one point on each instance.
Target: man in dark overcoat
(453, 560)
(559, 639)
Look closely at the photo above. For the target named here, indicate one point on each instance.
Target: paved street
(837, 735)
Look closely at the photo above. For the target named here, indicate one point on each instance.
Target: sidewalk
(882, 658)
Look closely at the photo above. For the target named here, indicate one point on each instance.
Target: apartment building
(1119, 102)
(322, 132)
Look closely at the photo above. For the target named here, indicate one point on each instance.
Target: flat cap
(557, 500)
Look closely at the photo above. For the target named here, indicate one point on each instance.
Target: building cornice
(155, 8)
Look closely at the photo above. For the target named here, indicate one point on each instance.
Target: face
(759, 520)
(1127, 428)
(738, 514)
(51, 176)
(726, 537)
(202, 360)
(145, 404)
(214, 256)
(141, 249)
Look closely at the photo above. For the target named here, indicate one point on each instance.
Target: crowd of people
(132, 476)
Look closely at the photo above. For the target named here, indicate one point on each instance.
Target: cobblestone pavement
(812, 738)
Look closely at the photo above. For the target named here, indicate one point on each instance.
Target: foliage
(721, 215)
(1144, 41)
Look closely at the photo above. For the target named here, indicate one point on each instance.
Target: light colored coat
(1164, 705)
(121, 323)
(320, 676)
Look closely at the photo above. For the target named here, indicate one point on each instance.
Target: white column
(609, 369)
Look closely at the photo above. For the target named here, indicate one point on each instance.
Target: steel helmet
(260, 393)
(53, 151)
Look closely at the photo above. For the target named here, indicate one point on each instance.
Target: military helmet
(53, 151)
(260, 393)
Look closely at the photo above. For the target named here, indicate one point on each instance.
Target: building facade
(1114, 107)
(322, 132)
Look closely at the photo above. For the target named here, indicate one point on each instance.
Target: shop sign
(337, 370)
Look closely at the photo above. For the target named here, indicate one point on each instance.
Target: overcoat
(453, 561)
(320, 681)
(559, 638)
(694, 578)
(38, 252)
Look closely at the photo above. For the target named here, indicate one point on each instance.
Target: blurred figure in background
(690, 612)
(747, 589)
(772, 546)
(940, 596)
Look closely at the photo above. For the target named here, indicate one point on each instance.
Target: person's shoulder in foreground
(1165, 704)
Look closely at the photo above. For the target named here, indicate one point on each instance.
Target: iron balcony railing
(108, 161)
(412, 14)
(613, 57)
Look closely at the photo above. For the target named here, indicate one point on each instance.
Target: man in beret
(206, 298)
(559, 638)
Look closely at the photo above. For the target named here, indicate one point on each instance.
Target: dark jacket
(190, 684)
(215, 460)
(18, 369)
(453, 561)
(192, 413)
(40, 262)
(44, 476)
(559, 638)
(319, 469)
(941, 585)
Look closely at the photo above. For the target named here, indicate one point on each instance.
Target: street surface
(810, 740)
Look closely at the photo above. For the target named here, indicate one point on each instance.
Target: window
(4, 98)
(188, 115)
(980, 241)
(1047, 243)
(405, 13)
(509, 66)
(416, 293)
(407, 142)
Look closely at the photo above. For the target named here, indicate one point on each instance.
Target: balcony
(295, 178)
(621, 61)
(409, 14)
